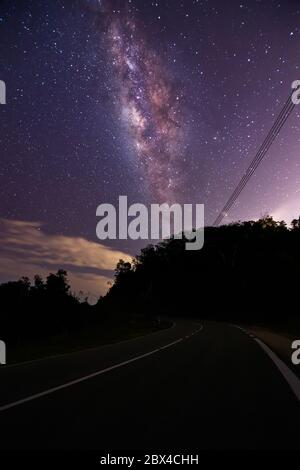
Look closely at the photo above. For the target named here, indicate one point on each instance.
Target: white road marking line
(92, 348)
(291, 378)
(288, 374)
(87, 377)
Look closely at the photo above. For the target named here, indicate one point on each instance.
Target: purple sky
(160, 101)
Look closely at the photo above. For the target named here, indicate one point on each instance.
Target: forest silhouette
(246, 271)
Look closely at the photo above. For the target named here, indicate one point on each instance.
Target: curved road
(190, 387)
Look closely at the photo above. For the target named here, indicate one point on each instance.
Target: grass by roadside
(108, 332)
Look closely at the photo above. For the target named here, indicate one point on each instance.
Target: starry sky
(162, 101)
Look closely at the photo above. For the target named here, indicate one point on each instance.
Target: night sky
(163, 101)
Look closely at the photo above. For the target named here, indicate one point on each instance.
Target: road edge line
(290, 377)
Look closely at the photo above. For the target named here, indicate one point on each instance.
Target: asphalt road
(191, 387)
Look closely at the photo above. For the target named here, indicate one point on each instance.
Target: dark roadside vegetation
(247, 273)
(45, 318)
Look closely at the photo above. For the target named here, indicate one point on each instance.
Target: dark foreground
(214, 388)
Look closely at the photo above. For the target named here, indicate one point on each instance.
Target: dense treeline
(245, 271)
(42, 309)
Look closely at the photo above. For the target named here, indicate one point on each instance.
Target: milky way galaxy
(149, 106)
(159, 100)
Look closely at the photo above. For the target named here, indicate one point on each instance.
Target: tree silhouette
(245, 270)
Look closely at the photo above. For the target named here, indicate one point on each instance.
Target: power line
(258, 154)
(272, 134)
(257, 159)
